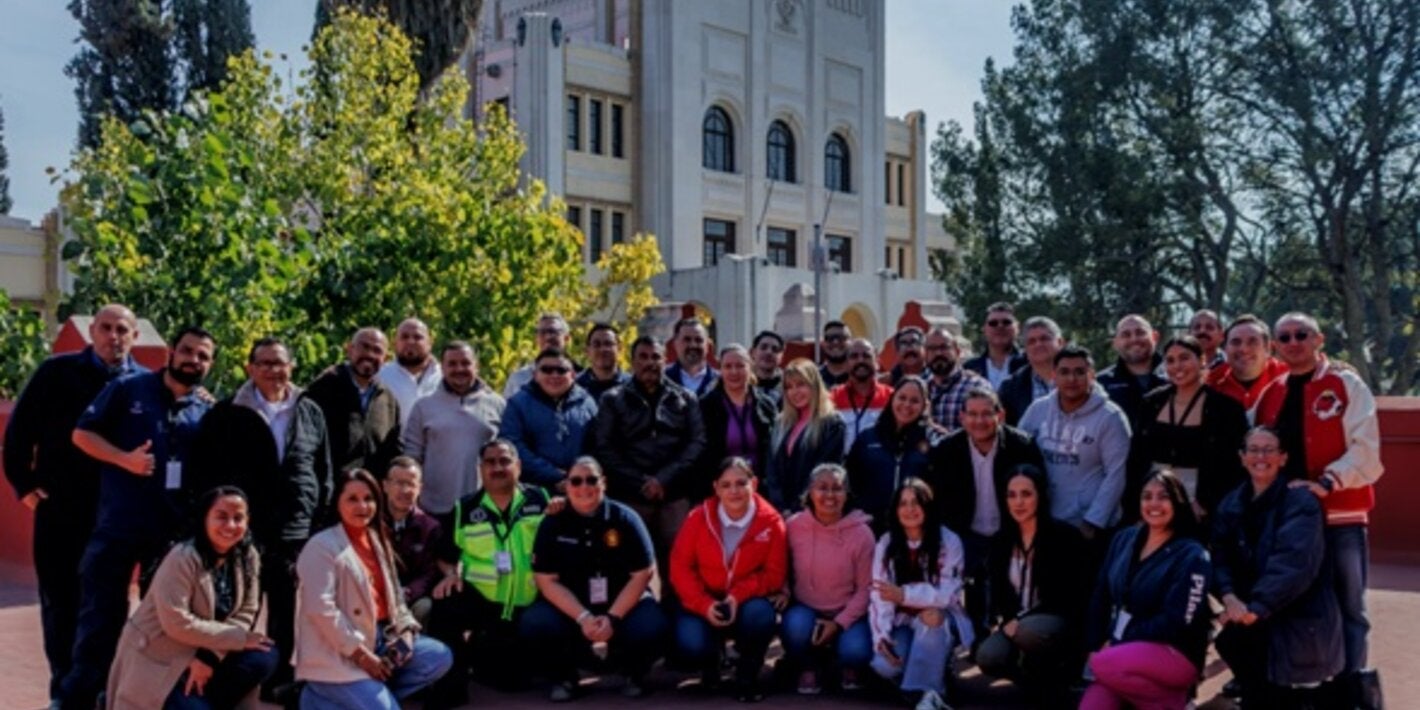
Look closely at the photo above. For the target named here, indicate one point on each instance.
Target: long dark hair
(1037, 477)
(378, 527)
(898, 554)
(1184, 523)
(240, 554)
(890, 435)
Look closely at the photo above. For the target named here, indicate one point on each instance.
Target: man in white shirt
(414, 372)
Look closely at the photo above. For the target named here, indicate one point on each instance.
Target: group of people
(402, 526)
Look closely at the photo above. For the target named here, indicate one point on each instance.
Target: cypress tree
(206, 34)
(124, 64)
(5, 202)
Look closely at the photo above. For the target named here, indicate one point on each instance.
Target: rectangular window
(840, 253)
(887, 180)
(574, 217)
(618, 149)
(887, 257)
(901, 184)
(574, 122)
(594, 126)
(782, 248)
(719, 240)
(618, 227)
(902, 262)
(594, 235)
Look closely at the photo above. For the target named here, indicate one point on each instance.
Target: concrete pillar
(539, 101)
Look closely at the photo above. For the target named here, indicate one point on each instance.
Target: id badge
(598, 590)
(1121, 622)
(503, 562)
(173, 480)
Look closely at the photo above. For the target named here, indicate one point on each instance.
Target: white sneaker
(932, 701)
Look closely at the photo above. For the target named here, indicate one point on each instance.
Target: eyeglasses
(909, 343)
(1000, 322)
(827, 490)
(590, 479)
(554, 370)
(835, 338)
(1261, 450)
(271, 364)
(1300, 336)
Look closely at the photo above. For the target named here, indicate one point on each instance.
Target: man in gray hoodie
(1084, 439)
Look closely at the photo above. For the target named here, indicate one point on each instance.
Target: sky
(935, 53)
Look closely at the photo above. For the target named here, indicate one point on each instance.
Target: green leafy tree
(23, 346)
(623, 293)
(124, 65)
(5, 201)
(441, 29)
(307, 213)
(206, 34)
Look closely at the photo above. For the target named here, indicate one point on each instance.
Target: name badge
(503, 562)
(174, 475)
(1121, 622)
(598, 590)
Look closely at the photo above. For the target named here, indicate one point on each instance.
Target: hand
(931, 617)
(407, 636)
(257, 642)
(602, 629)
(555, 505)
(32, 499)
(824, 631)
(889, 592)
(1316, 488)
(1009, 628)
(1233, 609)
(450, 584)
(203, 395)
(1088, 531)
(885, 650)
(652, 490)
(780, 600)
(589, 628)
(138, 461)
(373, 665)
(198, 673)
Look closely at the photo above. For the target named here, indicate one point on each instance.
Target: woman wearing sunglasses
(593, 564)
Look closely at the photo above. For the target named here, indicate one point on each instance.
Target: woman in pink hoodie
(831, 556)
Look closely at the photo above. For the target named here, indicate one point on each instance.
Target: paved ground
(1394, 603)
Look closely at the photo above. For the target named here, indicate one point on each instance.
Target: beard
(862, 371)
(408, 361)
(941, 366)
(835, 359)
(187, 378)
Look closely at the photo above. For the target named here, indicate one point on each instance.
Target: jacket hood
(1097, 399)
(850, 520)
(764, 513)
(246, 394)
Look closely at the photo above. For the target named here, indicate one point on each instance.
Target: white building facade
(731, 130)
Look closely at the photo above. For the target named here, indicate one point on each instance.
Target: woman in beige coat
(191, 643)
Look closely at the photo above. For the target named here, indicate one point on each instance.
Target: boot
(1365, 689)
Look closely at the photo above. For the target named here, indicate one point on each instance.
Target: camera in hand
(722, 610)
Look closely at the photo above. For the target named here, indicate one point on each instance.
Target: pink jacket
(832, 565)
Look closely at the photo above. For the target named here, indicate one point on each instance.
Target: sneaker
(931, 700)
(634, 688)
(748, 692)
(848, 680)
(808, 683)
(562, 692)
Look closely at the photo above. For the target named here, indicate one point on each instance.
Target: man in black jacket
(270, 440)
(1037, 377)
(361, 415)
(969, 471)
(54, 479)
(1138, 370)
(1001, 357)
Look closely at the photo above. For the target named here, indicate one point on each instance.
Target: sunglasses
(835, 338)
(554, 370)
(1300, 336)
(1000, 322)
(579, 481)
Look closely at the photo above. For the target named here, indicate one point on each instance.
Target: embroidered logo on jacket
(1327, 405)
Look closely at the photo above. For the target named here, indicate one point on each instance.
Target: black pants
(278, 580)
(494, 646)
(61, 532)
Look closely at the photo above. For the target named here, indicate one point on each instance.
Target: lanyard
(858, 412)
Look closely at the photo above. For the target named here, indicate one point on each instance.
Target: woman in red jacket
(728, 567)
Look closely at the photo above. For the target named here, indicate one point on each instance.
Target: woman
(1282, 624)
(728, 566)
(1033, 565)
(916, 615)
(893, 450)
(738, 417)
(357, 645)
(832, 556)
(1190, 429)
(190, 644)
(808, 432)
(1149, 618)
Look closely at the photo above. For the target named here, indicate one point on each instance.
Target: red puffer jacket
(701, 575)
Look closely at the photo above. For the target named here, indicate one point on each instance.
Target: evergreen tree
(440, 28)
(124, 64)
(5, 202)
(207, 33)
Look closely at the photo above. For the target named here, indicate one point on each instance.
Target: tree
(349, 203)
(441, 29)
(124, 65)
(207, 33)
(23, 346)
(5, 202)
(623, 294)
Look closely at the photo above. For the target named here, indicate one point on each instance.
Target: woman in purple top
(738, 417)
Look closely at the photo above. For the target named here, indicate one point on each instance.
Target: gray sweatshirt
(444, 433)
(1085, 455)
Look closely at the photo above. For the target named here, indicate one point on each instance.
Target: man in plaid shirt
(950, 381)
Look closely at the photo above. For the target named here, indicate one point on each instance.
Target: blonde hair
(820, 405)
(740, 350)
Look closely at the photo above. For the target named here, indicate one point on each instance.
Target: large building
(732, 130)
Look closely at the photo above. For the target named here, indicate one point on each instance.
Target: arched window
(781, 158)
(718, 141)
(837, 175)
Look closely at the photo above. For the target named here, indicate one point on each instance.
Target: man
(649, 435)
(603, 350)
(835, 368)
(488, 576)
(361, 414)
(415, 535)
(57, 481)
(1325, 417)
(692, 346)
(552, 333)
(447, 429)
(414, 372)
(270, 441)
(1138, 370)
(862, 398)
(141, 428)
(911, 358)
(950, 381)
(1027, 384)
(969, 471)
(1083, 438)
(1207, 329)
(593, 564)
(1250, 367)
(550, 420)
(1002, 357)
(766, 351)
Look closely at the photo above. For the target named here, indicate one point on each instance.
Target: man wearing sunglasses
(593, 563)
(835, 368)
(549, 420)
(1002, 357)
(447, 428)
(1325, 416)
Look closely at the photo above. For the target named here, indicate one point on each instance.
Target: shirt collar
(743, 522)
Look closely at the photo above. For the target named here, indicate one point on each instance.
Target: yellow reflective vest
(496, 547)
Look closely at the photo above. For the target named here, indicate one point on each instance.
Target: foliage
(206, 34)
(623, 295)
(5, 202)
(441, 29)
(347, 203)
(23, 346)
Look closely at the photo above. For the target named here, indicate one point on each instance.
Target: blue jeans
(1349, 555)
(925, 652)
(430, 661)
(637, 640)
(854, 644)
(238, 674)
(700, 644)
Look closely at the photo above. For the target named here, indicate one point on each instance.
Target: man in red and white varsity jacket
(1325, 416)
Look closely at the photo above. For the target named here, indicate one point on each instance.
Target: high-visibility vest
(486, 532)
